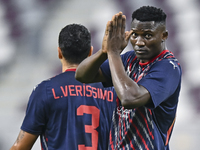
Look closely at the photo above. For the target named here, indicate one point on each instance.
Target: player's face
(146, 39)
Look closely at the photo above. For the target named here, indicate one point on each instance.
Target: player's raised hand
(116, 37)
(105, 38)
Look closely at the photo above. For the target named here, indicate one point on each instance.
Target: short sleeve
(162, 80)
(35, 118)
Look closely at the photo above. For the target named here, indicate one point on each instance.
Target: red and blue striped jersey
(148, 127)
(71, 115)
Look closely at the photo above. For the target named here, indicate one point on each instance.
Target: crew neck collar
(146, 63)
(70, 69)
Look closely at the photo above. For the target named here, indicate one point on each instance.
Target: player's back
(78, 115)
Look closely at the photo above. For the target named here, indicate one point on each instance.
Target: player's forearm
(129, 92)
(88, 69)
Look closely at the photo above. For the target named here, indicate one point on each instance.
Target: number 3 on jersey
(95, 112)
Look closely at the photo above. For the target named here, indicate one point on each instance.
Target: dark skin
(146, 38)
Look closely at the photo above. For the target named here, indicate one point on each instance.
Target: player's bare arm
(89, 70)
(129, 92)
(24, 141)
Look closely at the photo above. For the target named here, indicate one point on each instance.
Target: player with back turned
(147, 80)
(64, 112)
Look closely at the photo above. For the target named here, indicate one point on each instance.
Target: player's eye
(148, 36)
(134, 35)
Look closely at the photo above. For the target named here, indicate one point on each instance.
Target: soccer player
(64, 112)
(147, 80)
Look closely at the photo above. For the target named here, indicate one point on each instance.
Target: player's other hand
(115, 38)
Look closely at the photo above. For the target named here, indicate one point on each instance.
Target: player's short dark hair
(74, 42)
(149, 13)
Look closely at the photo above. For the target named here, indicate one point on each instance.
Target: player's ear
(60, 56)
(91, 51)
(165, 35)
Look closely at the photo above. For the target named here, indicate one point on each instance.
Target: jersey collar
(72, 69)
(146, 63)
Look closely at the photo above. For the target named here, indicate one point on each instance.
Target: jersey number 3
(95, 112)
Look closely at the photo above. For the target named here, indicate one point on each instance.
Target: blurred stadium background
(28, 54)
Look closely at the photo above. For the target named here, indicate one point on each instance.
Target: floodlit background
(28, 54)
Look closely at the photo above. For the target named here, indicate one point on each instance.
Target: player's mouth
(141, 51)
